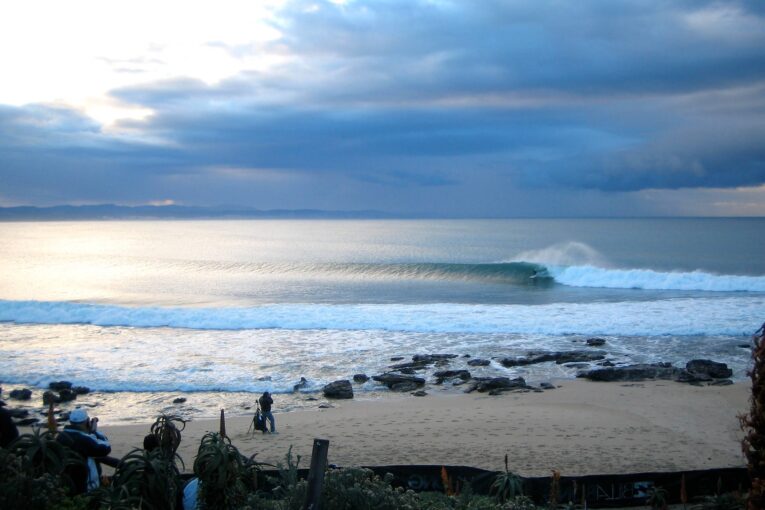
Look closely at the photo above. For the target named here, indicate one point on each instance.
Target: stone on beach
(497, 383)
(360, 378)
(559, 357)
(390, 379)
(339, 389)
(21, 394)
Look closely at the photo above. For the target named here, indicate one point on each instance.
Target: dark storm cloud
(448, 98)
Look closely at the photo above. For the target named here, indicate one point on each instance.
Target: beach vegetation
(167, 429)
(753, 424)
(657, 498)
(144, 478)
(507, 485)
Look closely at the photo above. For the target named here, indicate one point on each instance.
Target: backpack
(259, 422)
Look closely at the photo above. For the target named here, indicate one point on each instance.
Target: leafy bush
(32, 472)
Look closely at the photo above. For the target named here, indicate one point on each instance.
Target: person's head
(79, 418)
(150, 442)
(266, 394)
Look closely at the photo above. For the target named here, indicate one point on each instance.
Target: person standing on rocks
(265, 402)
(82, 437)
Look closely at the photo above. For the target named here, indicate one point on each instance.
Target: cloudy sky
(453, 108)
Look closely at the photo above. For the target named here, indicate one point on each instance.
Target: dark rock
(326, 406)
(451, 374)
(81, 390)
(409, 366)
(360, 378)
(640, 372)
(466, 356)
(708, 367)
(60, 385)
(301, 384)
(179, 400)
(547, 386)
(397, 358)
(493, 383)
(432, 358)
(534, 357)
(51, 397)
(606, 363)
(407, 371)
(478, 362)
(264, 378)
(339, 389)
(26, 422)
(18, 413)
(404, 386)
(312, 399)
(692, 377)
(720, 382)
(595, 342)
(420, 393)
(22, 394)
(67, 395)
(745, 346)
(389, 379)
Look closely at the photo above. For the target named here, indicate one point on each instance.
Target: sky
(445, 108)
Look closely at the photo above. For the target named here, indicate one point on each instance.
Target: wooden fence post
(316, 474)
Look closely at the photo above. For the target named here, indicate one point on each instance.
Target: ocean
(144, 312)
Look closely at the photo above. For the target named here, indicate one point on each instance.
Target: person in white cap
(82, 437)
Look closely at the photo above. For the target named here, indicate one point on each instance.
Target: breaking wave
(679, 316)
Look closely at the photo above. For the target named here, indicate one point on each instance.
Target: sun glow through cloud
(73, 53)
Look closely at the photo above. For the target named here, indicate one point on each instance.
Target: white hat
(78, 416)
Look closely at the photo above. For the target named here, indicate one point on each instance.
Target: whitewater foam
(680, 316)
(591, 276)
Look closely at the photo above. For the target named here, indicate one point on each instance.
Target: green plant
(657, 498)
(358, 488)
(727, 501)
(220, 468)
(506, 485)
(167, 429)
(145, 477)
(753, 424)
(33, 471)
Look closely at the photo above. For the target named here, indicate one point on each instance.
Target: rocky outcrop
(339, 389)
(478, 362)
(81, 390)
(360, 378)
(60, 385)
(51, 397)
(710, 368)
(179, 400)
(485, 384)
(390, 379)
(404, 386)
(302, 383)
(420, 393)
(21, 394)
(422, 361)
(432, 358)
(559, 357)
(639, 372)
(595, 342)
(443, 375)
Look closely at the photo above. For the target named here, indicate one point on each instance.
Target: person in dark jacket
(82, 437)
(8, 430)
(265, 406)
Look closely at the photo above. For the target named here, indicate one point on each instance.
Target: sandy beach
(579, 428)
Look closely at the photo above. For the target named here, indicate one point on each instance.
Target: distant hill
(121, 212)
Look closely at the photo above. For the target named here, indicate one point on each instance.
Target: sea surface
(143, 312)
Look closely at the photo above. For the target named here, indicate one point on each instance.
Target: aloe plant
(506, 485)
(167, 429)
(146, 478)
(221, 470)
